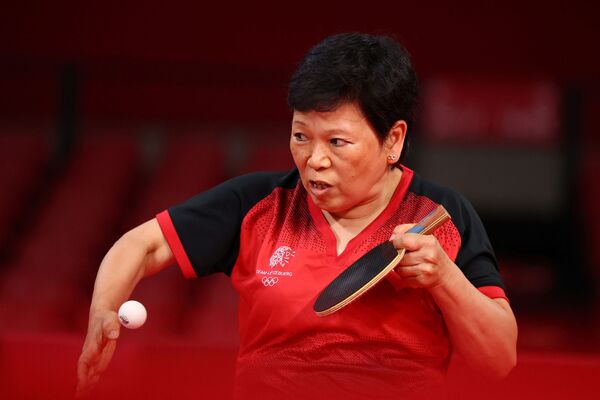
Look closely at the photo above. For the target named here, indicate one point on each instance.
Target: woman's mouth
(318, 187)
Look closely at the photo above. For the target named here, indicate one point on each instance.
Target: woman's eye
(299, 137)
(337, 142)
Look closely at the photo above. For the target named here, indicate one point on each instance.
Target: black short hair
(374, 71)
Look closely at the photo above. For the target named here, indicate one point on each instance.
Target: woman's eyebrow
(338, 130)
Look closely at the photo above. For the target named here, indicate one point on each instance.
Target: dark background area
(112, 111)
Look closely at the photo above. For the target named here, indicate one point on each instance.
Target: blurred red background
(112, 111)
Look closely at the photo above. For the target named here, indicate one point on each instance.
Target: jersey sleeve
(204, 231)
(476, 257)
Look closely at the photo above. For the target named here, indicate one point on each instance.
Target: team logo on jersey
(281, 256)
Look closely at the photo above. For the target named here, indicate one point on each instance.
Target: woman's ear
(394, 143)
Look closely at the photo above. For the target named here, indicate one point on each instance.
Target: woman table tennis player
(282, 237)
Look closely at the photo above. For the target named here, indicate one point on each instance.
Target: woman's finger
(105, 356)
(111, 326)
(408, 241)
(400, 230)
(412, 258)
(86, 367)
(408, 271)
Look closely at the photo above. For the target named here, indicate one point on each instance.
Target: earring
(392, 157)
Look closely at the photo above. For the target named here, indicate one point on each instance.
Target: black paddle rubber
(356, 276)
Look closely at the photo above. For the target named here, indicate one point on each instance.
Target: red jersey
(264, 231)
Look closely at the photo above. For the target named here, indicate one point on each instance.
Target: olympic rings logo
(269, 281)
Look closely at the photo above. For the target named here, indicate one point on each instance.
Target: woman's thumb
(111, 326)
(400, 229)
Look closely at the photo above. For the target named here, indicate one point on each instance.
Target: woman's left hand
(425, 263)
(482, 330)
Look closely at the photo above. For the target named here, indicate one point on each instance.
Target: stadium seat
(57, 263)
(24, 155)
(269, 155)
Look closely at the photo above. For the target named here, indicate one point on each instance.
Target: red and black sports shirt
(263, 231)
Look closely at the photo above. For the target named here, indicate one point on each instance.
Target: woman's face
(342, 162)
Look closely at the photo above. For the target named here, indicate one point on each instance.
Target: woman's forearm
(482, 330)
(120, 271)
(140, 252)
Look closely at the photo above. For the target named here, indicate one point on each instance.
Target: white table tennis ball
(132, 314)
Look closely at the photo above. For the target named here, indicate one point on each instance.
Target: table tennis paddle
(369, 269)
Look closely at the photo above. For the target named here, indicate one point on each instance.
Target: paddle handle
(431, 221)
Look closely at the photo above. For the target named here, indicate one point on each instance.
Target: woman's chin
(330, 208)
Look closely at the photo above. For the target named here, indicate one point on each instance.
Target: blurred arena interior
(109, 114)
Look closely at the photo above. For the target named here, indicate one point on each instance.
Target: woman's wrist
(448, 281)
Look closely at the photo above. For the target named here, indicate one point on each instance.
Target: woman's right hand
(98, 349)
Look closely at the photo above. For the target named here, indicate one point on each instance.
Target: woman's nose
(319, 158)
